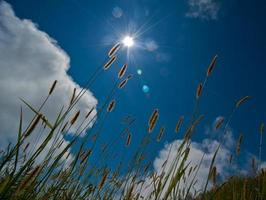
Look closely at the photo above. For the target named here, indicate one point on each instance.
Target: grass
(58, 175)
(243, 188)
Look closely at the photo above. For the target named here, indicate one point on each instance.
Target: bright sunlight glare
(128, 41)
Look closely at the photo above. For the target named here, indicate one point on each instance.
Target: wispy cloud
(117, 12)
(162, 57)
(203, 9)
(151, 45)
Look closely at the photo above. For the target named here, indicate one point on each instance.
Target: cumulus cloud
(30, 61)
(203, 9)
(198, 150)
(202, 151)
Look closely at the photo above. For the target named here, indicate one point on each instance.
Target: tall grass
(61, 175)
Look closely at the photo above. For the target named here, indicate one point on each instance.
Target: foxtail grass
(52, 170)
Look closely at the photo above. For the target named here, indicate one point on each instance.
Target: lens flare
(145, 88)
(139, 71)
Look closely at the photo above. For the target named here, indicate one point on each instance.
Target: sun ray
(152, 26)
(144, 24)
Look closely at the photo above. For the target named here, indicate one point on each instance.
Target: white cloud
(211, 131)
(203, 9)
(196, 152)
(30, 61)
(262, 165)
(197, 149)
(206, 147)
(151, 45)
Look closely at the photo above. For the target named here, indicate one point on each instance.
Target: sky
(176, 40)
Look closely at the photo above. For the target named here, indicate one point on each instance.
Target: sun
(128, 41)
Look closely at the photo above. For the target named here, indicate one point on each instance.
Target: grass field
(51, 172)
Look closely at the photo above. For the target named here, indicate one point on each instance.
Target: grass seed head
(214, 175)
(122, 84)
(64, 127)
(212, 65)
(26, 147)
(159, 137)
(129, 136)
(241, 101)
(179, 123)
(109, 63)
(219, 123)
(33, 126)
(114, 49)
(238, 146)
(153, 119)
(85, 156)
(73, 96)
(104, 177)
(74, 119)
(122, 71)
(111, 106)
(52, 87)
(199, 90)
(29, 179)
(89, 113)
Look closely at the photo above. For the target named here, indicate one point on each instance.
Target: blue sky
(184, 38)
